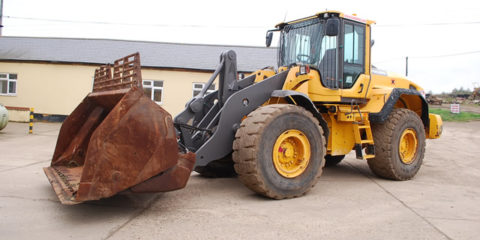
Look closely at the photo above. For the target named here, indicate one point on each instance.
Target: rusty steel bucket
(117, 139)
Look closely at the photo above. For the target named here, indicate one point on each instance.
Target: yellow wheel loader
(276, 128)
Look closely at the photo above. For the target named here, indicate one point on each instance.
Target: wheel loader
(275, 128)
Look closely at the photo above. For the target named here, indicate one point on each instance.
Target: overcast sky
(441, 38)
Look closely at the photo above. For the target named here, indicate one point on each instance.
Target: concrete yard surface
(349, 202)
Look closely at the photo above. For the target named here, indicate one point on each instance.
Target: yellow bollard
(30, 128)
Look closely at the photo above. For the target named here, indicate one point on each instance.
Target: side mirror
(372, 42)
(269, 37)
(332, 27)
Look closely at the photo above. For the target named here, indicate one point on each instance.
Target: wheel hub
(291, 153)
(408, 146)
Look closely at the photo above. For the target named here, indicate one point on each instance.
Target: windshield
(300, 43)
(306, 43)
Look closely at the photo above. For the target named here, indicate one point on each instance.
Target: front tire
(279, 151)
(399, 145)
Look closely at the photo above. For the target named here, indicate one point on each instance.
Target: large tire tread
(246, 145)
(383, 163)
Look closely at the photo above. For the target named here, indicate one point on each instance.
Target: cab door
(354, 61)
(342, 64)
(353, 53)
(328, 89)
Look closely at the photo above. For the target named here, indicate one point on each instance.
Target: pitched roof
(152, 54)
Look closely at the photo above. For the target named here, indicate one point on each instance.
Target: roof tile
(153, 54)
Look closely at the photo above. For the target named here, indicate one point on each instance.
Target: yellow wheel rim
(291, 153)
(408, 145)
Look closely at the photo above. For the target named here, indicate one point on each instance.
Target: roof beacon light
(304, 69)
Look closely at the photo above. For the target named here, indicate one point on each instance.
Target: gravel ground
(441, 202)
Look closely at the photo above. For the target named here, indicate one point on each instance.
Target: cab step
(363, 139)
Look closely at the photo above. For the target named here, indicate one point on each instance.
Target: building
(53, 75)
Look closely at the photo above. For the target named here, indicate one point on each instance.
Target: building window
(197, 88)
(8, 83)
(153, 90)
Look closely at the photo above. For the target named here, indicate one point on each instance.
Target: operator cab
(331, 42)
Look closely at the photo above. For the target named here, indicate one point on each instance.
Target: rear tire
(331, 161)
(399, 145)
(267, 139)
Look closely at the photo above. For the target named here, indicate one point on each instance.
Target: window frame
(200, 89)
(8, 80)
(153, 88)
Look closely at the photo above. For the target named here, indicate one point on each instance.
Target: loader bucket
(117, 139)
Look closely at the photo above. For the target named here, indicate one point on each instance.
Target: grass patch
(453, 117)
